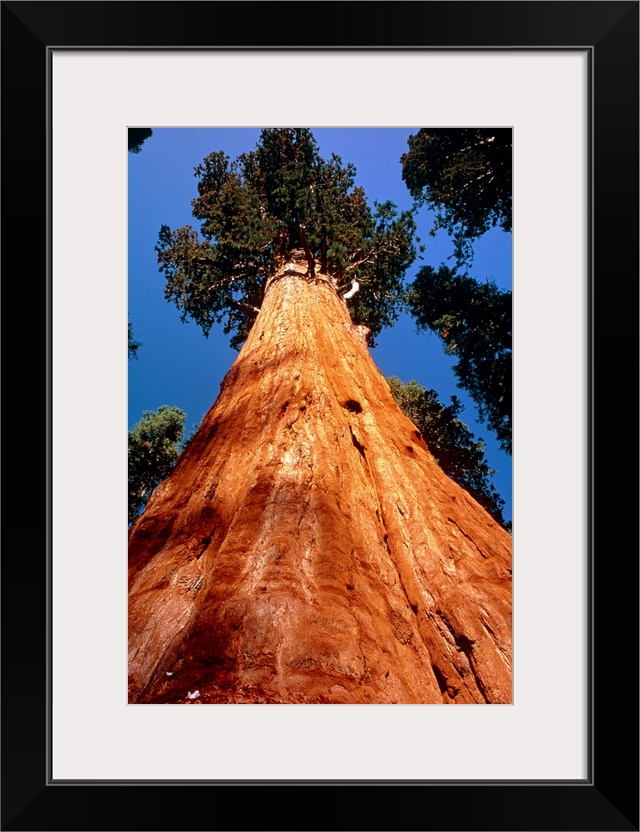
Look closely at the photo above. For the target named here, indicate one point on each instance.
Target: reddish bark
(307, 548)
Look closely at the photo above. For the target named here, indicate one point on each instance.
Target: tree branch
(362, 260)
(244, 307)
(323, 250)
(355, 287)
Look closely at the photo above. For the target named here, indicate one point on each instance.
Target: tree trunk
(307, 548)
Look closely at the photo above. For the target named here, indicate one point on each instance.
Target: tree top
(258, 209)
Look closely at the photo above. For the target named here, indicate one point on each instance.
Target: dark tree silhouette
(473, 321)
(137, 137)
(465, 177)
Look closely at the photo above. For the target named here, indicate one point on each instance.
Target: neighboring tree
(137, 137)
(458, 453)
(464, 175)
(134, 345)
(473, 321)
(280, 199)
(154, 447)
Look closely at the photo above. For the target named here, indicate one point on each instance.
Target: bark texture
(307, 548)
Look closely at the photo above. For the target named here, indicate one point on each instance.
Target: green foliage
(137, 137)
(450, 441)
(473, 321)
(154, 447)
(258, 209)
(134, 345)
(464, 175)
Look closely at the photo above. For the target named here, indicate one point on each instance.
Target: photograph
(379, 268)
(319, 452)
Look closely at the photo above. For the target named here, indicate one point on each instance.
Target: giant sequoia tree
(307, 547)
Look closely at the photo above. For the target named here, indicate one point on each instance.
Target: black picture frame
(608, 798)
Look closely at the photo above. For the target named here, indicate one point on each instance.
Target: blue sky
(177, 365)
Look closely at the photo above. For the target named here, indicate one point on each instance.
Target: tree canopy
(473, 321)
(137, 136)
(154, 447)
(454, 447)
(464, 175)
(258, 209)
